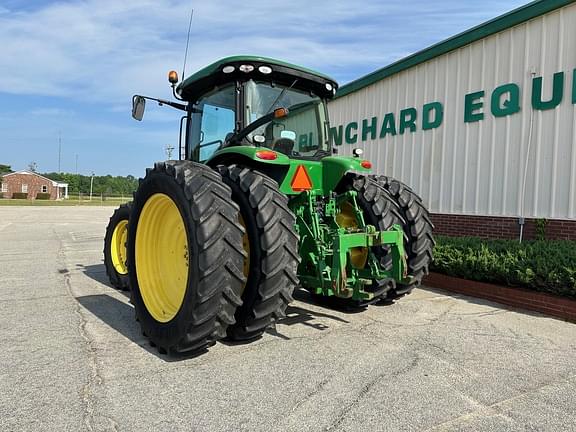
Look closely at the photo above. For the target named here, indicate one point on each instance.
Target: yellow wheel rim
(118, 247)
(246, 245)
(347, 219)
(161, 257)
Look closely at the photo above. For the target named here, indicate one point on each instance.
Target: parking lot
(73, 357)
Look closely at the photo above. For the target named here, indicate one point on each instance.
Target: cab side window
(213, 119)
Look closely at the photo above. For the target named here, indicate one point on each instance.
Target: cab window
(212, 120)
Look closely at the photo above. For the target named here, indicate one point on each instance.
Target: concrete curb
(548, 304)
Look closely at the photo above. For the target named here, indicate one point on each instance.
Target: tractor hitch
(339, 258)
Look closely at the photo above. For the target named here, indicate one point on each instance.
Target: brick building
(32, 184)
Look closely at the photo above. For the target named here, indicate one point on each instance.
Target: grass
(68, 202)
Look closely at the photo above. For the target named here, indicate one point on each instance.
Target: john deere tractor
(258, 204)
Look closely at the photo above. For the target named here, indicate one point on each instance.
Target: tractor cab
(256, 102)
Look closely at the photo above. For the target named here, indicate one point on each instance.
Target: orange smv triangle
(301, 180)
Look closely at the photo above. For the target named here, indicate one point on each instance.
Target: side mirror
(138, 107)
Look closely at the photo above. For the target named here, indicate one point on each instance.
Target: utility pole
(169, 149)
(59, 150)
(77, 178)
(91, 184)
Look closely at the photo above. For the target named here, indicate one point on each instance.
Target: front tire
(185, 254)
(115, 247)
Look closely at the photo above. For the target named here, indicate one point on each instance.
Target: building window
(24, 188)
(4, 187)
(44, 188)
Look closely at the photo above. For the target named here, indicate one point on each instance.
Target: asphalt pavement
(73, 358)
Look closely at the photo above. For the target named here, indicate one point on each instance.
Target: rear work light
(366, 164)
(266, 155)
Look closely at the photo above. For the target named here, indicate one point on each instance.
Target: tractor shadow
(298, 315)
(97, 272)
(119, 316)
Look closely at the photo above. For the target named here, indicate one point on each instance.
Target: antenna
(187, 43)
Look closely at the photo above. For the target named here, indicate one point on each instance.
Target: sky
(70, 68)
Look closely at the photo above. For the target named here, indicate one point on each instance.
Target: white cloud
(105, 50)
(51, 112)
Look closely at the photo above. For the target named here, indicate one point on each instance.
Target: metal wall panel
(479, 167)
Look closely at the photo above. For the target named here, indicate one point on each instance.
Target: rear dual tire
(272, 246)
(381, 211)
(418, 232)
(210, 255)
(186, 256)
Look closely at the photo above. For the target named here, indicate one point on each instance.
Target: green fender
(324, 174)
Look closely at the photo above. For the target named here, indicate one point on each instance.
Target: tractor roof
(250, 67)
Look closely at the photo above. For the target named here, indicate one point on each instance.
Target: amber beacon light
(173, 77)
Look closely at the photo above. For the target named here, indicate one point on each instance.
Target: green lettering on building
(388, 126)
(435, 108)
(510, 104)
(557, 92)
(472, 103)
(408, 120)
(505, 100)
(369, 129)
(336, 135)
(348, 136)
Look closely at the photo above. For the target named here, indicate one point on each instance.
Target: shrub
(42, 196)
(20, 195)
(541, 265)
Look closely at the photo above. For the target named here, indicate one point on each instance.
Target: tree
(32, 166)
(105, 185)
(5, 169)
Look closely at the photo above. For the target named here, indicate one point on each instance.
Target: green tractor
(215, 243)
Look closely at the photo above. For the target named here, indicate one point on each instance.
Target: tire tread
(278, 243)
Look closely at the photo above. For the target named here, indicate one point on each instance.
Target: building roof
(54, 183)
(503, 22)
